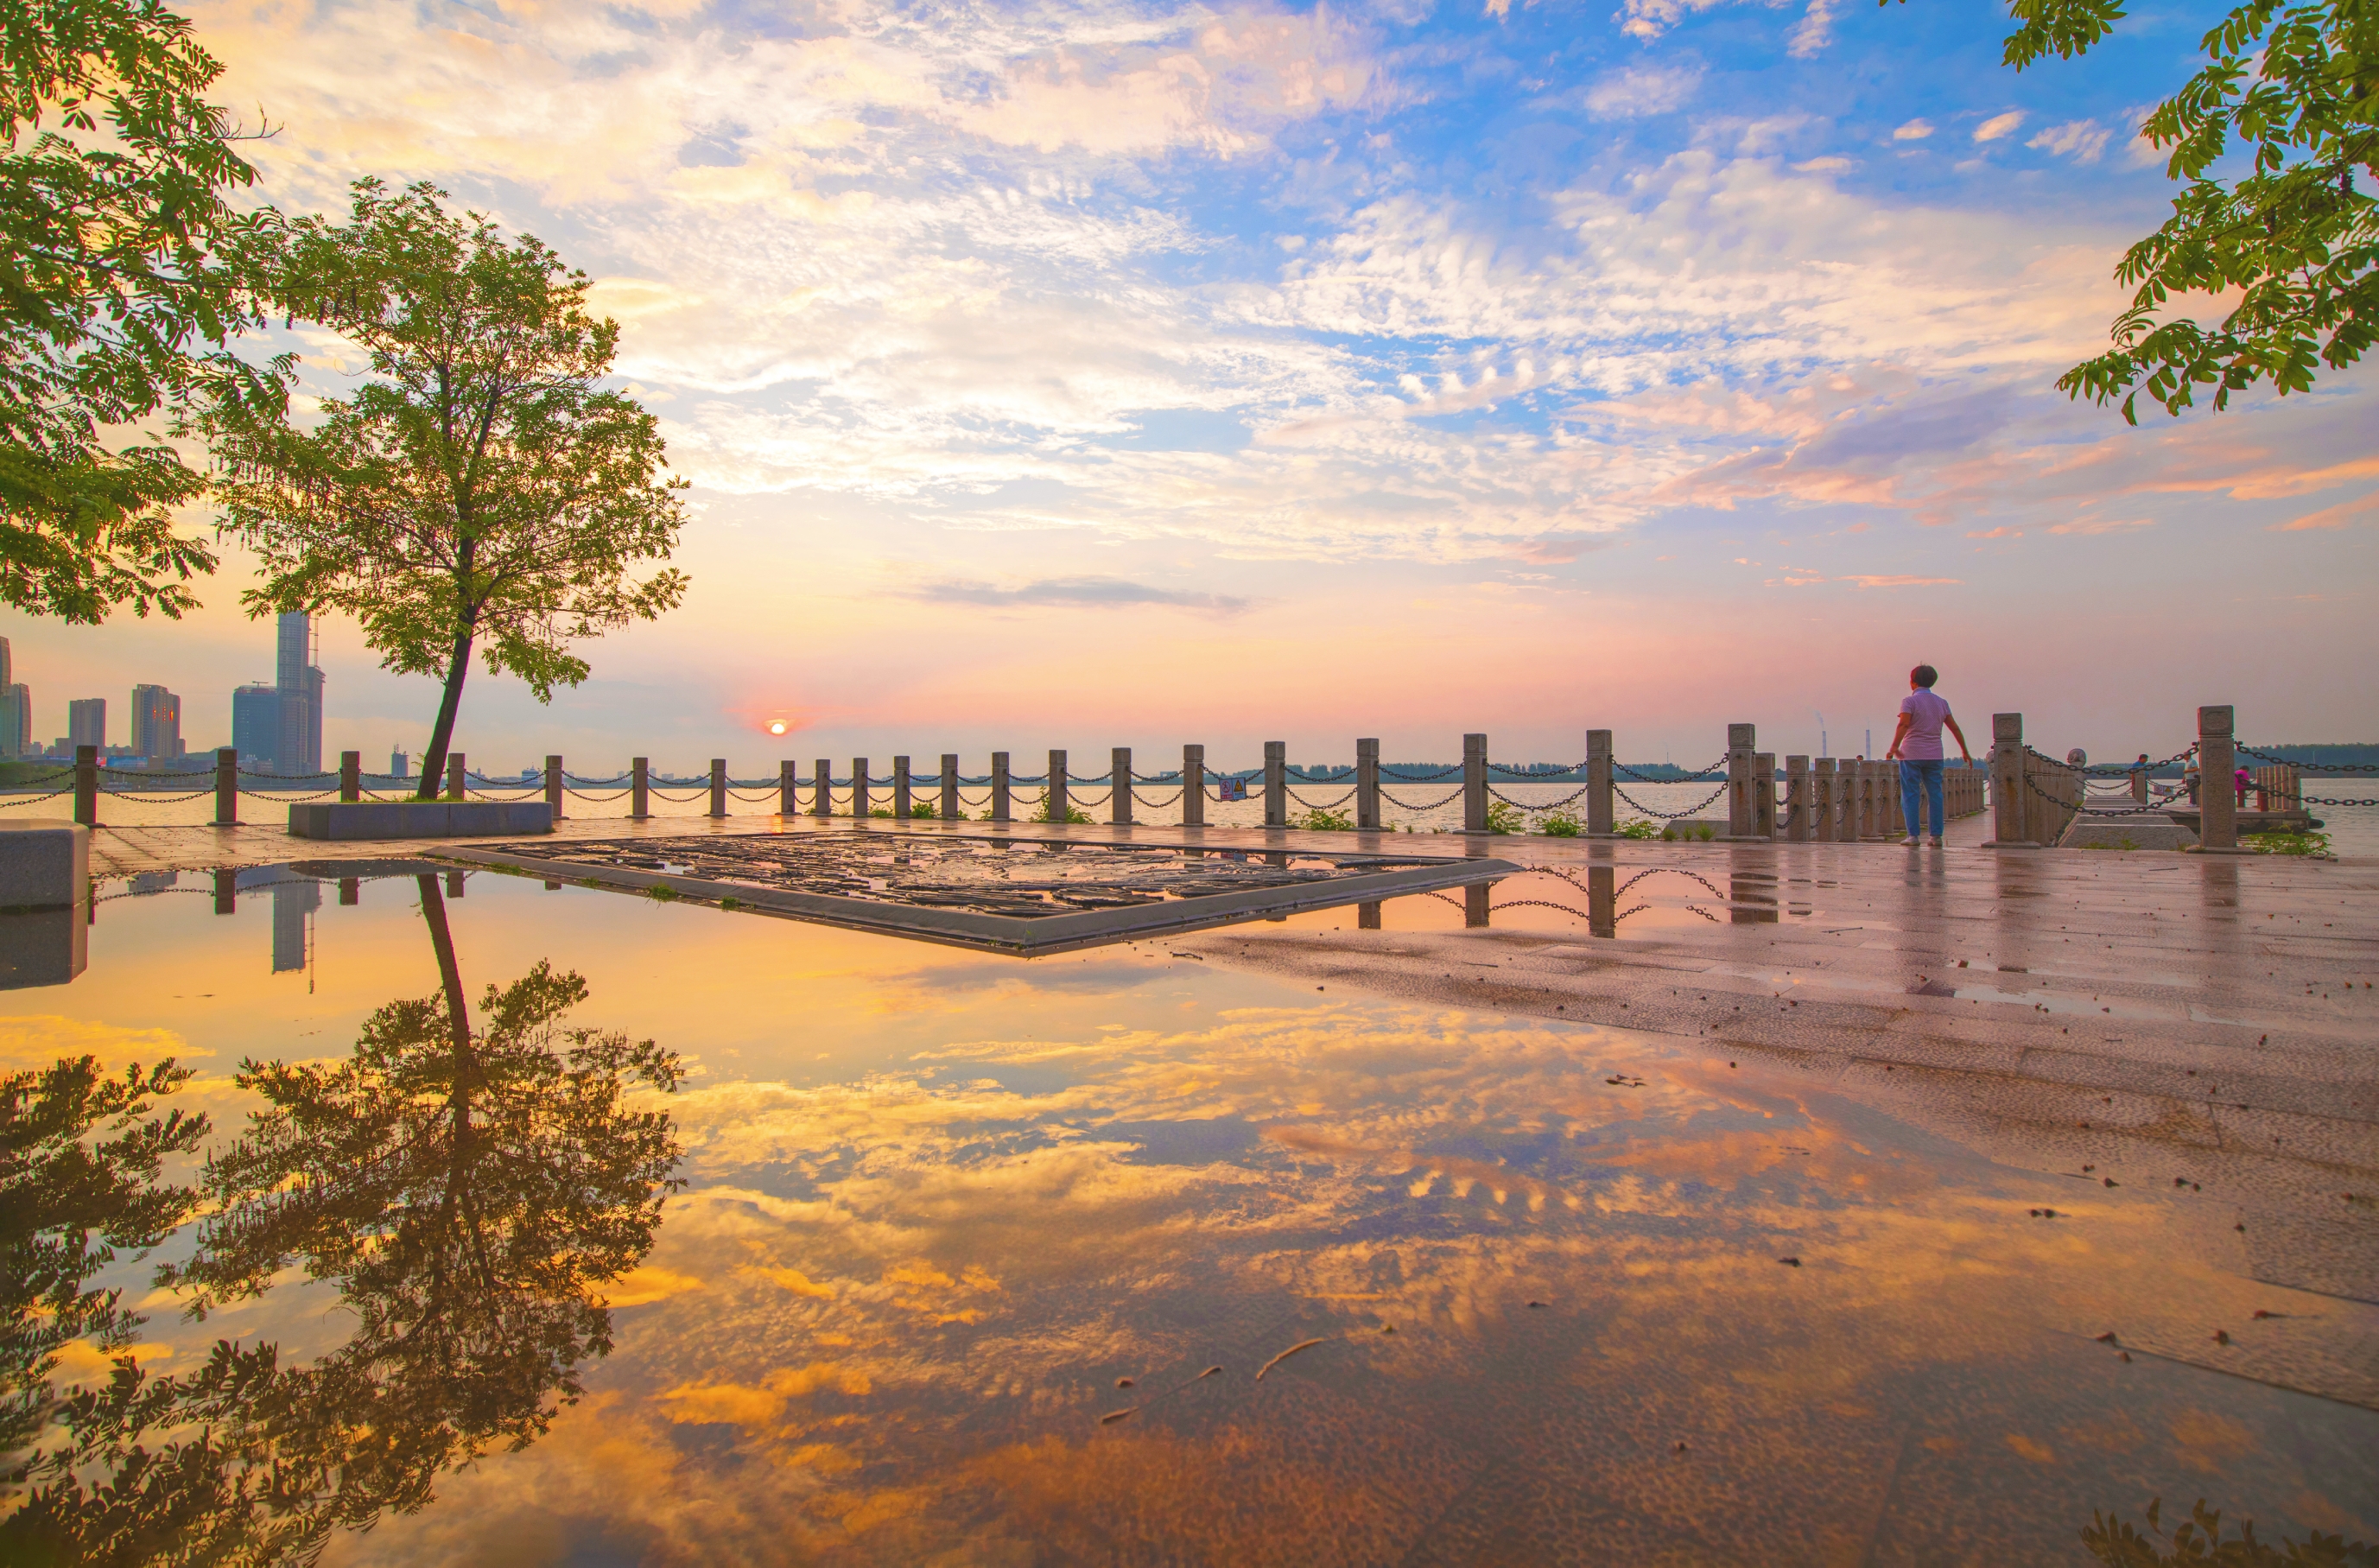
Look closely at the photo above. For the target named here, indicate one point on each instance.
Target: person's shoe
(1937, 843)
(1908, 843)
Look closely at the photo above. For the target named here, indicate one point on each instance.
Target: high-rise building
(399, 765)
(256, 723)
(15, 710)
(298, 674)
(156, 723)
(86, 722)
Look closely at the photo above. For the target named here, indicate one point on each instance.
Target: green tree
(2297, 87)
(114, 170)
(468, 1192)
(483, 490)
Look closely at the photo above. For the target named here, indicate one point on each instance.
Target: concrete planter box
(419, 819)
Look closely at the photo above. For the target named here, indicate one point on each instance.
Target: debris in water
(2221, 1336)
(2106, 1338)
(1790, 1262)
(1301, 1345)
(1190, 955)
(1123, 1383)
(1207, 1373)
(1113, 1415)
(1537, 1303)
(1681, 1447)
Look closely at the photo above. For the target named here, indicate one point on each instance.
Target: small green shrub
(1668, 834)
(2308, 842)
(1502, 816)
(1638, 828)
(1705, 833)
(661, 893)
(2110, 1539)
(1320, 819)
(925, 811)
(1073, 813)
(730, 902)
(884, 812)
(1561, 824)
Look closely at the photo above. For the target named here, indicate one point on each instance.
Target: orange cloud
(2336, 516)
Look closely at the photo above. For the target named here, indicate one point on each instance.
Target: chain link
(1669, 815)
(1524, 805)
(2310, 766)
(1410, 806)
(1315, 805)
(1420, 778)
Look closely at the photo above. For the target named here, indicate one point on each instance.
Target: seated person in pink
(1917, 744)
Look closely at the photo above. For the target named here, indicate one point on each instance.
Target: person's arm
(1900, 734)
(1950, 722)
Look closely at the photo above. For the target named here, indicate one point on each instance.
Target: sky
(1106, 374)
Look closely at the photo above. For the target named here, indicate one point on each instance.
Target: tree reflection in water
(467, 1193)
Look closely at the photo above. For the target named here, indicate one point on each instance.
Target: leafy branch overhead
(2291, 247)
(482, 491)
(112, 174)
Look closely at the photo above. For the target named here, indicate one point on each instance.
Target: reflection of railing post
(1740, 739)
(86, 785)
(351, 775)
(1000, 786)
(1600, 822)
(1367, 917)
(1474, 788)
(1054, 802)
(1367, 788)
(226, 786)
(1275, 783)
(351, 891)
(458, 777)
(1119, 786)
(2007, 780)
(1474, 904)
(1603, 901)
(1763, 794)
(951, 810)
(1193, 786)
(822, 787)
(719, 785)
(640, 787)
(227, 890)
(1796, 800)
(2217, 761)
(553, 786)
(860, 806)
(900, 790)
(788, 787)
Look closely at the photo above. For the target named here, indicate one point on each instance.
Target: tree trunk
(442, 735)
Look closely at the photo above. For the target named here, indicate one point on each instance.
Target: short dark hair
(1924, 675)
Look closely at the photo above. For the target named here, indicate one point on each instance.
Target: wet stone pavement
(1662, 1203)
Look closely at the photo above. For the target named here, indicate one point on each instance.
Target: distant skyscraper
(86, 722)
(298, 748)
(156, 723)
(15, 710)
(399, 766)
(256, 723)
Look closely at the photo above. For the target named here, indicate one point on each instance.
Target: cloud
(1074, 592)
(2001, 532)
(1823, 165)
(1809, 36)
(1637, 91)
(2338, 516)
(2101, 525)
(1914, 130)
(1901, 581)
(2082, 140)
(1999, 126)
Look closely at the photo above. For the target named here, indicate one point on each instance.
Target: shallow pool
(1112, 1256)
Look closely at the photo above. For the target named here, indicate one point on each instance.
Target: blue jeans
(1926, 771)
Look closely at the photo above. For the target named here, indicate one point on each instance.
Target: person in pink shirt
(1917, 746)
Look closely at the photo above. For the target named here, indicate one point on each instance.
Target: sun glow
(776, 727)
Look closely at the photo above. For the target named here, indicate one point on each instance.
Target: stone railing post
(458, 777)
(788, 788)
(86, 786)
(1193, 786)
(1119, 786)
(1821, 799)
(553, 786)
(2217, 762)
(1796, 800)
(351, 775)
(1000, 786)
(1366, 785)
(226, 786)
(901, 803)
(2007, 780)
(1474, 785)
(1763, 795)
(640, 789)
(1894, 806)
(2140, 785)
(952, 809)
(719, 785)
(1740, 739)
(821, 788)
(1275, 783)
(1057, 801)
(1601, 818)
(1879, 799)
(860, 804)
